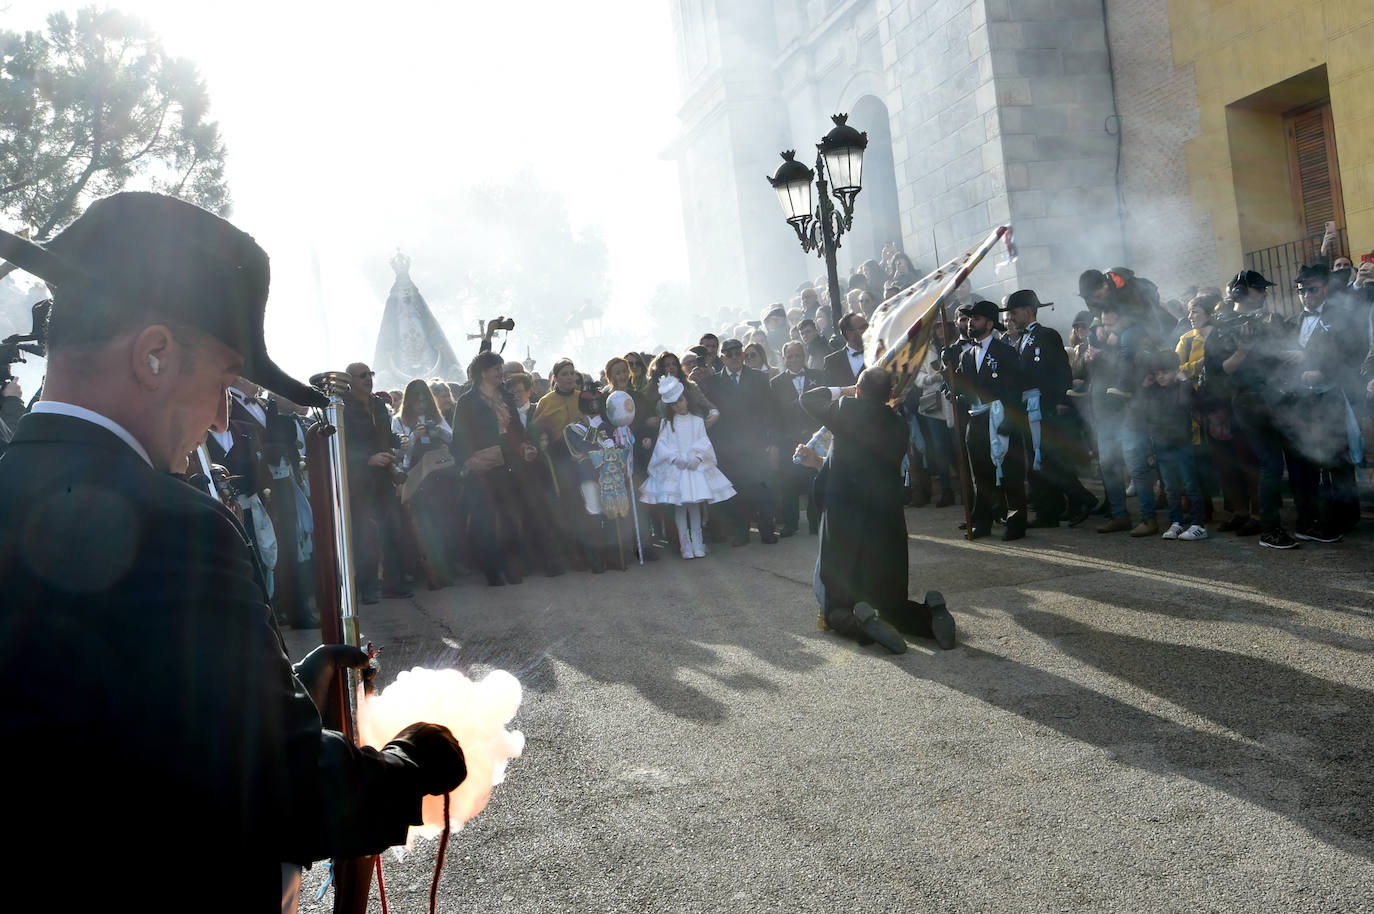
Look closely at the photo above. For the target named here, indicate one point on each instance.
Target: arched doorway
(877, 219)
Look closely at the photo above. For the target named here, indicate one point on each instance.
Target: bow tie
(855, 355)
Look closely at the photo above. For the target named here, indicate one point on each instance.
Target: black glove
(436, 754)
(317, 668)
(950, 354)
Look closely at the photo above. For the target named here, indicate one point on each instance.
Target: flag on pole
(900, 331)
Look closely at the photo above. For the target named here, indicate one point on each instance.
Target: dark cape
(863, 548)
(410, 343)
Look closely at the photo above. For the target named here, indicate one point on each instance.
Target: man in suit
(744, 439)
(144, 651)
(988, 383)
(842, 366)
(861, 566)
(1047, 377)
(794, 427)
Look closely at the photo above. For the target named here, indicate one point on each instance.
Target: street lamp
(840, 153)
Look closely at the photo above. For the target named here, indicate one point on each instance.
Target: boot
(945, 500)
(698, 544)
(685, 541)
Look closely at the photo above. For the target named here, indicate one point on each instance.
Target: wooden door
(1314, 172)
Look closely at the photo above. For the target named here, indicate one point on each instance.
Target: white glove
(693, 463)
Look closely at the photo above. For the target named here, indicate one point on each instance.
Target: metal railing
(1280, 265)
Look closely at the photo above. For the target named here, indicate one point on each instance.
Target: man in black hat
(745, 443)
(988, 383)
(1046, 375)
(147, 679)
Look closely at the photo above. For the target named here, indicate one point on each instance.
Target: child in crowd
(1168, 406)
(683, 471)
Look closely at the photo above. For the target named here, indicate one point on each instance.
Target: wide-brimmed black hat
(1024, 298)
(153, 253)
(1249, 279)
(982, 309)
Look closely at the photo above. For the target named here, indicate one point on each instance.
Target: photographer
(430, 492)
(1252, 349)
(372, 471)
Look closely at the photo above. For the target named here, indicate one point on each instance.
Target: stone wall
(1166, 239)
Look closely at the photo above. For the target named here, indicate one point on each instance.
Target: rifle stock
(334, 569)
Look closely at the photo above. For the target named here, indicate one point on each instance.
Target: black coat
(149, 689)
(998, 379)
(837, 370)
(863, 548)
(795, 426)
(748, 414)
(1044, 365)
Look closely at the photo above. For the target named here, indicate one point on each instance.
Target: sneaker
(1147, 527)
(941, 622)
(1250, 528)
(1195, 532)
(1130, 490)
(1278, 538)
(1173, 532)
(1234, 523)
(1318, 535)
(875, 627)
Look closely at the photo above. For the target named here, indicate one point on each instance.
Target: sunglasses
(366, 374)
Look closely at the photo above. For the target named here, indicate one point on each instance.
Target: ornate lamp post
(840, 154)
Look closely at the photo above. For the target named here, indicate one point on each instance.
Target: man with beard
(861, 567)
(988, 382)
(1047, 377)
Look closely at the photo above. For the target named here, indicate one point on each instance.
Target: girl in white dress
(683, 470)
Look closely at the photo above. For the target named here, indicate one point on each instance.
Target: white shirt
(1310, 319)
(856, 361)
(980, 352)
(254, 408)
(58, 408)
(1025, 336)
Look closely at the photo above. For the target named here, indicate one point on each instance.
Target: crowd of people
(506, 473)
(140, 612)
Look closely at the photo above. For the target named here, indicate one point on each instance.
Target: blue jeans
(1178, 467)
(1124, 444)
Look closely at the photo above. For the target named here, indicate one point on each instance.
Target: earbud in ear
(154, 364)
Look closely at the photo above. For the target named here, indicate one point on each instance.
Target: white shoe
(1130, 490)
(699, 549)
(1173, 532)
(687, 551)
(1195, 532)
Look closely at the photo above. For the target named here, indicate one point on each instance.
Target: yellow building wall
(1241, 47)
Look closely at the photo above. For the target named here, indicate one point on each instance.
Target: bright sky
(341, 125)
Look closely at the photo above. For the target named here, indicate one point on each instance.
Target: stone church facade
(1077, 121)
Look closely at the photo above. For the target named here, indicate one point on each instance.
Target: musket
(326, 459)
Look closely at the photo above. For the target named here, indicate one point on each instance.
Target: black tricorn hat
(150, 252)
(1249, 279)
(982, 309)
(1024, 298)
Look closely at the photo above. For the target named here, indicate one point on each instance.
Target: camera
(500, 323)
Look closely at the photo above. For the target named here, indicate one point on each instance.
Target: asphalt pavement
(1127, 725)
